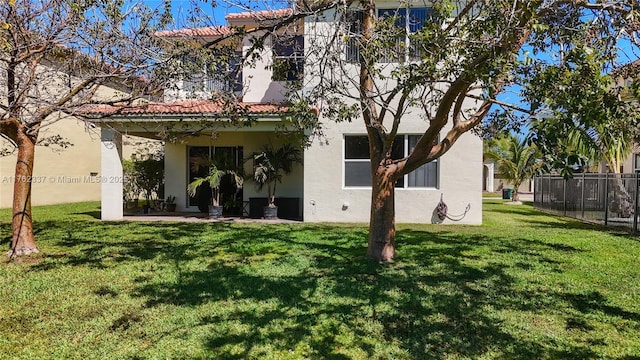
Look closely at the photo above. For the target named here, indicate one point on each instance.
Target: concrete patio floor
(198, 217)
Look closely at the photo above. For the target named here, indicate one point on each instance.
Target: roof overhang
(189, 117)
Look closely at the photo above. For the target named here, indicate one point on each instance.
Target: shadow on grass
(97, 214)
(434, 303)
(290, 287)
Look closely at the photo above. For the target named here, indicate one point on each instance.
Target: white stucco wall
(325, 196)
(111, 183)
(326, 199)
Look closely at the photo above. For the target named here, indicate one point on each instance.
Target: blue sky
(182, 9)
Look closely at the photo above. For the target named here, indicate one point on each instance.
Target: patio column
(111, 176)
(489, 176)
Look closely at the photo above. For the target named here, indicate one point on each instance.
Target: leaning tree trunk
(382, 223)
(23, 241)
(621, 202)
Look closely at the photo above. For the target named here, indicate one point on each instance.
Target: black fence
(608, 199)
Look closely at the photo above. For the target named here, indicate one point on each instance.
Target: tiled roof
(214, 31)
(189, 107)
(211, 31)
(260, 15)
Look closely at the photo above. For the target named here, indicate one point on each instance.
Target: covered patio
(192, 129)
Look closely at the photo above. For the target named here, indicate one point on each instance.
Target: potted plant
(212, 180)
(171, 203)
(269, 167)
(149, 177)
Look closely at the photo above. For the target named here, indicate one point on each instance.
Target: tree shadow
(309, 290)
(96, 214)
(432, 304)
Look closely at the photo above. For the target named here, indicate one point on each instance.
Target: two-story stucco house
(64, 175)
(332, 184)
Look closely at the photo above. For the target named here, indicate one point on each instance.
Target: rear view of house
(333, 183)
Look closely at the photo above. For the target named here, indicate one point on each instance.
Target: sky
(183, 9)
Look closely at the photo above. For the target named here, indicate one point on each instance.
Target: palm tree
(270, 166)
(212, 179)
(516, 160)
(610, 143)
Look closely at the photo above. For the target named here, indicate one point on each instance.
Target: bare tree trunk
(516, 195)
(382, 224)
(621, 202)
(23, 241)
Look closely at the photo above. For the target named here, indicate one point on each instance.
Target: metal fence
(608, 199)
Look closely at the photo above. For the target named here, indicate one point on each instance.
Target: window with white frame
(412, 19)
(357, 169)
(288, 58)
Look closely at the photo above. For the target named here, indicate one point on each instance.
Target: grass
(524, 285)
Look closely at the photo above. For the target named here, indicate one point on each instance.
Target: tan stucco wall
(500, 183)
(61, 176)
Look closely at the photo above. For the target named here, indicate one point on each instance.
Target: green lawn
(525, 285)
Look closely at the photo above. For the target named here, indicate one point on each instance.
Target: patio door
(225, 157)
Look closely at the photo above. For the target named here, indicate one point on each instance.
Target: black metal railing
(607, 199)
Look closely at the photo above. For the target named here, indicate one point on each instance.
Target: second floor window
(288, 58)
(224, 75)
(408, 19)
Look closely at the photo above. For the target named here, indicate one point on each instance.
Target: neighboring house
(63, 175)
(493, 181)
(332, 186)
(624, 78)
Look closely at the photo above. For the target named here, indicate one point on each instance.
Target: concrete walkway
(523, 197)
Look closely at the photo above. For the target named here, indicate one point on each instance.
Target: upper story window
(411, 19)
(224, 75)
(357, 169)
(288, 58)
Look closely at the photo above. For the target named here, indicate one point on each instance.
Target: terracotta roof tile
(190, 107)
(260, 15)
(211, 31)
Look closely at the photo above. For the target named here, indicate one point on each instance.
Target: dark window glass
(226, 157)
(417, 17)
(288, 58)
(354, 19)
(225, 75)
(358, 173)
(356, 147)
(196, 152)
(415, 22)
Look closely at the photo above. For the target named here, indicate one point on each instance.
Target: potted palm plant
(269, 167)
(171, 203)
(212, 180)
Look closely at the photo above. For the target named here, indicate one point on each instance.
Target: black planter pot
(215, 211)
(145, 209)
(171, 207)
(270, 213)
